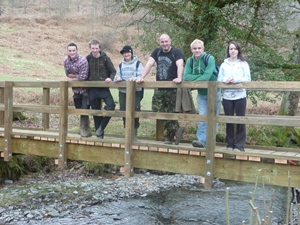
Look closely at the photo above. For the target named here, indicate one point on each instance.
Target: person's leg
(201, 130)
(95, 104)
(85, 129)
(240, 110)
(109, 105)
(122, 102)
(165, 101)
(138, 99)
(228, 106)
(77, 98)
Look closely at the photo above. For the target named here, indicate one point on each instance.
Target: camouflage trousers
(165, 101)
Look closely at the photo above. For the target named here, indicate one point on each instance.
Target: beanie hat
(126, 48)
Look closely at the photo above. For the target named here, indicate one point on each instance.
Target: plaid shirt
(80, 67)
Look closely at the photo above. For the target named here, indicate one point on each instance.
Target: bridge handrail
(7, 107)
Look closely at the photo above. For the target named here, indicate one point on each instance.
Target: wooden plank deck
(252, 153)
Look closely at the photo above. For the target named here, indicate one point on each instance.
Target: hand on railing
(177, 80)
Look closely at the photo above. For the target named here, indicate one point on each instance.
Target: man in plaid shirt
(76, 68)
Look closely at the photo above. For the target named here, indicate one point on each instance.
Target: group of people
(171, 66)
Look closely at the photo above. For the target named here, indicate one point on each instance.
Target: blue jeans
(202, 108)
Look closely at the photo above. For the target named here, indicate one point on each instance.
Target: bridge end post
(211, 134)
(8, 118)
(63, 125)
(129, 127)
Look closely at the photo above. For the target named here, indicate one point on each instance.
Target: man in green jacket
(199, 71)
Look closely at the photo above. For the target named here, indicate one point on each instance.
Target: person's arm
(146, 70)
(69, 76)
(118, 75)
(111, 69)
(139, 72)
(179, 64)
(245, 75)
(83, 69)
(221, 75)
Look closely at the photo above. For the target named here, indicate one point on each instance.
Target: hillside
(32, 47)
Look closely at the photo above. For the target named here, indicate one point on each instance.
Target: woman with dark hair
(234, 69)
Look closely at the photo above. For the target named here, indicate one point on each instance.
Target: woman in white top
(234, 69)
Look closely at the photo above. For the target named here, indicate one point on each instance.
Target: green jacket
(199, 72)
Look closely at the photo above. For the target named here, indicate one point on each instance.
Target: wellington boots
(85, 129)
(168, 140)
(135, 134)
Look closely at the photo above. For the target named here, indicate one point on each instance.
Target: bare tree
(25, 4)
(1, 2)
(62, 6)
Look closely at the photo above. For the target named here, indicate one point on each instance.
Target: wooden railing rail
(7, 108)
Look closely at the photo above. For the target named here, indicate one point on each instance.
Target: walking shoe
(197, 144)
(178, 135)
(238, 150)
(100, 133)
(229, 149)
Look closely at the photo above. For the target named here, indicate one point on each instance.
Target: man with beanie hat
(130, 69)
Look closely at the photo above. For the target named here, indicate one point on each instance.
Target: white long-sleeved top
(240, 72)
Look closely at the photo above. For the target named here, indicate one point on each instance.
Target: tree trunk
(290, 100)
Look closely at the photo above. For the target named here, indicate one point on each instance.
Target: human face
(197, 50)
(95, 49)
(233, 52)
(165, 43)
(127, 56)
(72, 52)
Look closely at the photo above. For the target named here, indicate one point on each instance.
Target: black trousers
(81, 101)
(138, 98)
(235, 139)
(95, 95)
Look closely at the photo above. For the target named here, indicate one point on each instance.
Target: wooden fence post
(159, 131)
(1, 101)
(63, 125)
(129, 128)
(46, 101)
(8, 118)
(210, 134)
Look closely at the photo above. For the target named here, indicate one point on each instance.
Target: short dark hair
(94, 42)
(72, 44)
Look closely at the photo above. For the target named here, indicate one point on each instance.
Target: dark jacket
(100, 68)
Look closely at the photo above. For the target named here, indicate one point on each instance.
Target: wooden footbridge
(211, 162)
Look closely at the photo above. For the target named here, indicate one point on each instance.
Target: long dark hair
(238, 47)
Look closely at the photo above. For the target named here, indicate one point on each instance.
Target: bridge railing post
(46, 101)
(1, 101)
(8, 118)
(63, 125)
(211, 134)
(129, 127)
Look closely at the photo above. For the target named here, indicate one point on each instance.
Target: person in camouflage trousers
(169, 62)
(165, 101)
